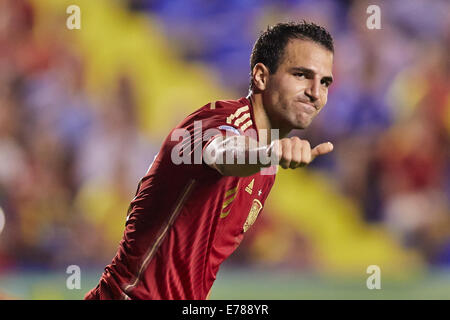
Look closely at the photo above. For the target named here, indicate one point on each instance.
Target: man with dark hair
(188, 216)
(270, 45)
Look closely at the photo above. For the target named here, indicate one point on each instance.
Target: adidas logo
(249, 188)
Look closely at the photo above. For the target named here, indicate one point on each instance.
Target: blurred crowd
(69, 166)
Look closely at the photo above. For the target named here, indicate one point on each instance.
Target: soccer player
(188, 216)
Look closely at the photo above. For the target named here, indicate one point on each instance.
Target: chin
(301, 120)
(302, 127)
(298, 122)
(302, 124)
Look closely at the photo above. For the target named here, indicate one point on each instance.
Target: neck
(262, 119)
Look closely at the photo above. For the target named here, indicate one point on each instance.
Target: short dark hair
(269, 47)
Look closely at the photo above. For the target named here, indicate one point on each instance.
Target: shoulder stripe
(236, 114)
(246, 125)
(240, 120)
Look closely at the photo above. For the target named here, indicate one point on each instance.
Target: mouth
(306, 107)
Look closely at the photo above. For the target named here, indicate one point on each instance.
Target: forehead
(308, 54)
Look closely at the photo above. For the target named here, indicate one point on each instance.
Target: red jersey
(186, 219)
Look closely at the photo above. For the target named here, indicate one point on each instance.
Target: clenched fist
(295, 152)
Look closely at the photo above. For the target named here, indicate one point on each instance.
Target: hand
(294, 152)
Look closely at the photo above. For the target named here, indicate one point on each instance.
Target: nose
(312, 90)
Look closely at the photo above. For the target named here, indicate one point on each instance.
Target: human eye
(326, 83)
(299, 74)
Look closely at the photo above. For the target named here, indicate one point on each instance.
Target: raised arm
(241, 156)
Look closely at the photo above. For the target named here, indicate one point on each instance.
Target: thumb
(321, 149)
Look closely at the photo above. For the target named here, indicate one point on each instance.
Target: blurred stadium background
(83, 113)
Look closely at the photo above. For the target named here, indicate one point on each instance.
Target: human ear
(260, 76)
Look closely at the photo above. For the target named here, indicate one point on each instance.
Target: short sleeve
(190, 139)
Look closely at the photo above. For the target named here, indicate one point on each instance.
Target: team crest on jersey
(253, 214)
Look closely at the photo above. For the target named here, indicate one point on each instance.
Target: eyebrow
(311, 72)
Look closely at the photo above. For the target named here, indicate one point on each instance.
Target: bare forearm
(237, 156)
(241, 156)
